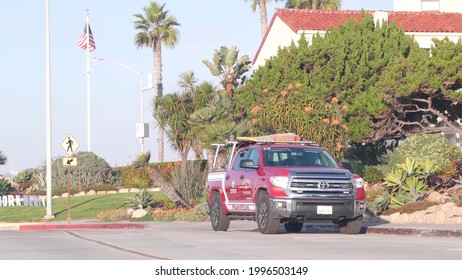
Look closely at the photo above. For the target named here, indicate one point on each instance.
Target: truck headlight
(279, 181)
(358, 183)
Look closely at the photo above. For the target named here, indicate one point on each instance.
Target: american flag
(82, 41)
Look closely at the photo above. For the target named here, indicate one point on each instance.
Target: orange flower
(281, 102)
(254, 121)
(345, 108)
(266, 90)
(326, 121)
(255, 110)
(284, 93)
(334, 122)
(290, 86)
(298, 85)
(334, 100)
(308, 109)
(345, 127)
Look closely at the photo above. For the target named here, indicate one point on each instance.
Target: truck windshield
(298, 157)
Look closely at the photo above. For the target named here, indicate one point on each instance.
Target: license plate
(324, 210)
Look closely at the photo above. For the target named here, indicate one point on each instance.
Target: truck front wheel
(267, 223)
(220, 222)
(350, 226)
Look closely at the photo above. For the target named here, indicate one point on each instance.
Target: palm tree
(2, 158)
(228, 67)
(156, 28)
(174, 110)
(314, 4)
(263, 14)
(214, 123)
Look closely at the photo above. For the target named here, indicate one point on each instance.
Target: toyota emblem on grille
(323, 185)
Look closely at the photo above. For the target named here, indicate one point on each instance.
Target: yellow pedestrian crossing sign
(70, 145)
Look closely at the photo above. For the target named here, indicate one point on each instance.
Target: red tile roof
(305, 19)
(301, 19)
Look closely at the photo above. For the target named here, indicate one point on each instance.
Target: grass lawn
(82, 207)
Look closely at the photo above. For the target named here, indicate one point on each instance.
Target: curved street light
(142, 128)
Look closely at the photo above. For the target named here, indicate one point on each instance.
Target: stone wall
(447, 213)
(92, 192)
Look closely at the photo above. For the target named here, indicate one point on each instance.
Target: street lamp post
(141, 128)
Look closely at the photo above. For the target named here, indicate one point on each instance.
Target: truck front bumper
(318, 209)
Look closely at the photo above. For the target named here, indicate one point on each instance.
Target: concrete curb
(81, 226)
(414, 232)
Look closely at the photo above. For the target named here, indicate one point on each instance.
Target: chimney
(380, 17)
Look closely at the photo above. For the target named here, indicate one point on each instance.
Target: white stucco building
(450, 6)
(288, 25)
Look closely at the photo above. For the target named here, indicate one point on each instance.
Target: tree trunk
(157, 48)
(167, 188)
(263, 17)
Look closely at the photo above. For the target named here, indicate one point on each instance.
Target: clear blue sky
(115, 99)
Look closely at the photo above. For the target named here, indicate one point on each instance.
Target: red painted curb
(81, 226)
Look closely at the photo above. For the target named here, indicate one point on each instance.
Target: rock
(393, 218)
(65, 195)
(433, 209)
(82, 193)
(92, 192)
(436, 218)
(457, 212)
(130, 211)
(455, 220)
(417, 217)
(111, 192)
(435, 197)
(139, 213)
(124, 190)
(101, 192)
(134, 190)
(403, 218)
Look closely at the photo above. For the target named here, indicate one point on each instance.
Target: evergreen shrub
(426, 147)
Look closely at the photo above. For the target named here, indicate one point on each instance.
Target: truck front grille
(322, 184)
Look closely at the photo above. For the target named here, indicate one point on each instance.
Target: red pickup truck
(283, 182)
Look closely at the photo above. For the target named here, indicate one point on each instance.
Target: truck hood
(284, 171)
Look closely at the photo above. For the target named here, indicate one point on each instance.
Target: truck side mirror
(248, 163)
(346, 165)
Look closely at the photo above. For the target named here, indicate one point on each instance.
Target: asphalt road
(197, 241)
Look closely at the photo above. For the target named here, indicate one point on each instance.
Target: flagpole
(49, 211)
(88, 85)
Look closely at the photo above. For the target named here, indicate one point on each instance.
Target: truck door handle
(241, 177)
(227, 177)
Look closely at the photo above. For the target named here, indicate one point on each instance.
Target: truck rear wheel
(267, 223)
(350, 226)
(220, 222)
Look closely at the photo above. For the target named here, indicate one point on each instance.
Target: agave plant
(141, 200)
(5, 187)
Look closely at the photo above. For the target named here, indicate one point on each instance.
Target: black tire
(220, 222)
(293, 227)
(350, 226)
(267, 223)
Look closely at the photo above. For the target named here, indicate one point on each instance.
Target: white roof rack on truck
(282, 138)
